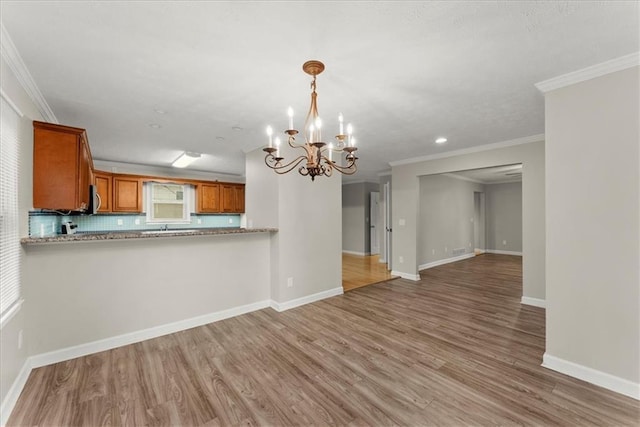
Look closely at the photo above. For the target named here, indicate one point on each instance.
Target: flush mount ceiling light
(441, 140)
(318, 155)
(185, 159)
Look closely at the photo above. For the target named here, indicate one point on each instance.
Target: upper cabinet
(127, 193)
(208, 197)
(232, 198)
(104, 185)
(62, 167)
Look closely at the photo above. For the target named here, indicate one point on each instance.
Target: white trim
(536, 302)
(593, 376)
(445, 261)
(356, 253)
(145, 334)
(11, 103)
(408, 276)
(282, 306)
(477, 149)
(499, 252)
(8, 315)
(11, 398)
(479, 251)
(385, 173)
(598, 70)
(11, 55)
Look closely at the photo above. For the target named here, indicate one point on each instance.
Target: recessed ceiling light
(220, 138)
(236, 128)
(160, 111)
(155, 126)
(441, 140)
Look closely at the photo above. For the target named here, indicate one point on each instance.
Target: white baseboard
(137, 336)
(414, 277)
(498, 252)
(14, 392)
(599, 378)
(356, 253)
(282, 306)
(444, 261)
(536, 302)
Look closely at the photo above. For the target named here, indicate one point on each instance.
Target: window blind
(9, 226)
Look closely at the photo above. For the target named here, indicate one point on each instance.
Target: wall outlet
(471, 219)
(433, 251)
(401, 222)
(401, 259)
(469, 244)
(504, 242)
(199, 221)
(445, 249)
(230, 221)
(137, 221)
(250, 223)
(120, 222)
(290, 282)
(20, 339)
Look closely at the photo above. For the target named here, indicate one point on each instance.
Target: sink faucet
(165, 227)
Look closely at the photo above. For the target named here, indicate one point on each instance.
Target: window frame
(187, 202)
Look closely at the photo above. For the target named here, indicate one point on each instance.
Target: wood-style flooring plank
(455, 348)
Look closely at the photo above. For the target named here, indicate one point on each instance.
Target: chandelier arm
(349, 169)
(289, 166)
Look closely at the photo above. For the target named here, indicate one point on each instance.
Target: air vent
(458, 251)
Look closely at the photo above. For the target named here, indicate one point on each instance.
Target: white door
(374, 199)
(386, 193)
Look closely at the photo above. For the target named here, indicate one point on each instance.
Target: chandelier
(317, 159)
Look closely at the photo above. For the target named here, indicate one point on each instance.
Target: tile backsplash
(43, 224)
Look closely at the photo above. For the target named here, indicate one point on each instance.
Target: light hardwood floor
(456, 348)
(359, 271)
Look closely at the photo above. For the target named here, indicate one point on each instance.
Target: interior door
(374, 200)
(386, 194)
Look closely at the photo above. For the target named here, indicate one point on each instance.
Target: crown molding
(471, 150)
(617, 64)
(11, 55)
(385, 173)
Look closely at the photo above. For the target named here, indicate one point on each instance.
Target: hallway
(359, 271)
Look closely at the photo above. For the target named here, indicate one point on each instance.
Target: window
(168, 203)
(9, 219)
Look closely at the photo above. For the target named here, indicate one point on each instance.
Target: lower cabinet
(127, 194)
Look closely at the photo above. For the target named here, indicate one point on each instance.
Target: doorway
(374, 199)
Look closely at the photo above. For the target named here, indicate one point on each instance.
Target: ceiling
(149, 80)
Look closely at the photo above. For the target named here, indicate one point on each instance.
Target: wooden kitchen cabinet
(62, 167)
(208, 198)
(127, 194)
(104, 188)
(232, 198)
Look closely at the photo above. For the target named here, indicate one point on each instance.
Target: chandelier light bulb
(277, 147)
(270, 133)
(340, 120)
(330, 152)
(290, 114)
(311, 130)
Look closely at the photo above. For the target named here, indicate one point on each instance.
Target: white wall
(504, 217)
(592, 214)
(444, 219)
(83, 292)
(13, 359)
(406, 201)
(307, 248)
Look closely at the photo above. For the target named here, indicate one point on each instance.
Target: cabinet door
(240, 198)
(209, 198)
(55, 170)
(228, 196)
(127, 194)
(104, 188)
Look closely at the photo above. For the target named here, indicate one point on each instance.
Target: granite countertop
(140, 234)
